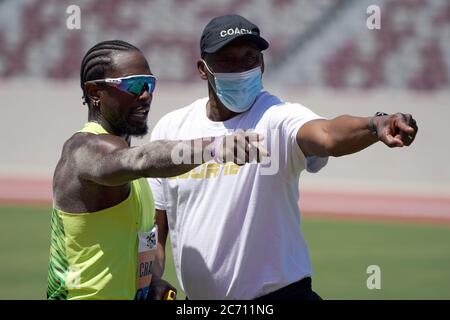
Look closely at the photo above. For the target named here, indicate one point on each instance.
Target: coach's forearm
(164, 158)
(348, 134)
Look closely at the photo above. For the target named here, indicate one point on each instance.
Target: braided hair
(98, 59)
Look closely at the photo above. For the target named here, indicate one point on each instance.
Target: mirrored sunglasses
(132, 84)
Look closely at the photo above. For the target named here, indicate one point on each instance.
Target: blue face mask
(238, 91)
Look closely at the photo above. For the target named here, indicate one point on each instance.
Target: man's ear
(202, 70)
(92, 91)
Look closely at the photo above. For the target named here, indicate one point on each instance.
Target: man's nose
(145, 95)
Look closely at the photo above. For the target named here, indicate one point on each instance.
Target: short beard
(137, 132)
(126, 129)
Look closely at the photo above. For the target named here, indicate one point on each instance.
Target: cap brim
(258, 40)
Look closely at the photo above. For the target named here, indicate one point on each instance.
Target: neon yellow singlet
(94, 255)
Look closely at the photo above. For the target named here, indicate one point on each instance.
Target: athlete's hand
(240, 147)
(159, 289)
(396, 130)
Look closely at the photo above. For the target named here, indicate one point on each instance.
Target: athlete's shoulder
(88, 143)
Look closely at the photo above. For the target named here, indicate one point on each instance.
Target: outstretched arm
(108, 160)
(347, 134)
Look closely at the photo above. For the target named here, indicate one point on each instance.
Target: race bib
(146, 255)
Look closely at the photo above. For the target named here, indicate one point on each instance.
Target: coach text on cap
(222, 30)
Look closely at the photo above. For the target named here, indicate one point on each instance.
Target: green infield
(414, 260)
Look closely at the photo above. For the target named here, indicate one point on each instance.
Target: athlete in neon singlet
(103, 239)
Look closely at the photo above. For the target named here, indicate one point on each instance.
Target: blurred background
(389, 208)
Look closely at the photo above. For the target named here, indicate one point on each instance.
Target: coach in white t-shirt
(235, 230)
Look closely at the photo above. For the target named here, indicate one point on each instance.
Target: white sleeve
(288, 119)
(156, 184)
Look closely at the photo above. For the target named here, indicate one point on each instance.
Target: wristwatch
(372, 126)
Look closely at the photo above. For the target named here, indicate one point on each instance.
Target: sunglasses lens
(138, 85)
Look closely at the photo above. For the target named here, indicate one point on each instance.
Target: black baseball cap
(222, 30)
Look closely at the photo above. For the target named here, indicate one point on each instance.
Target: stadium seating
(321, 43)
(410, 51)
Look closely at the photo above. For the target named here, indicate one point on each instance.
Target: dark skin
(336, 137)
(78, 188)
(95, 171)
(238, 56)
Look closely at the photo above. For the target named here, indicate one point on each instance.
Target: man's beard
(137, 132)
(124, 128)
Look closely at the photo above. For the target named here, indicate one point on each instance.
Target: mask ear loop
(212, 73)
(207, 67)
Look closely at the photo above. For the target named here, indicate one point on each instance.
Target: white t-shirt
(235, 231)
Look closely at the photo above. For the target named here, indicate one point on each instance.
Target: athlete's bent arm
(108, 160)
(347, 134)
